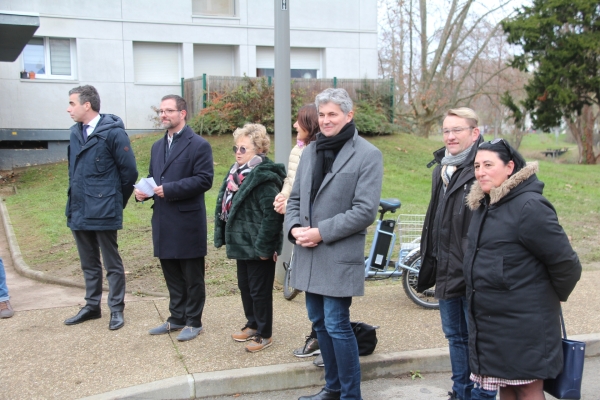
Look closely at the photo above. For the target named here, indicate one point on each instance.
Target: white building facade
(136, 51)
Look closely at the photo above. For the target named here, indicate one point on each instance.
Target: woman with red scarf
(251, 230)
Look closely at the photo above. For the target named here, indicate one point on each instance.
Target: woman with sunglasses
(518, 267)
(251, 230)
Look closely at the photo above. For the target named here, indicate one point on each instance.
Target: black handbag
(567, 385)
(366, 337)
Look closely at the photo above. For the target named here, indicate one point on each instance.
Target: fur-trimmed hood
(476, 194)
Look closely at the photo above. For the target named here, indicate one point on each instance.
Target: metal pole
(182, 88)
(283, 105)
(204, 91)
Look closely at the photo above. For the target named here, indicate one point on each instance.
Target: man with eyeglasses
(444, 240)
(181, 164)
(102, 171)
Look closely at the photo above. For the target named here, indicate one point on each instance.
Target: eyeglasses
(456, 130)
(167, 112)
(499, 140)
(242, 149)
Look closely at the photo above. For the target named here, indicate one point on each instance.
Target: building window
(304, 62)
(50, 58)
(294, 73)
(156, 63)
(221, 8)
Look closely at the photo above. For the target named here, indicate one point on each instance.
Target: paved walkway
(43, 358)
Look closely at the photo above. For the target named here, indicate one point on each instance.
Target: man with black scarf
(334, 199)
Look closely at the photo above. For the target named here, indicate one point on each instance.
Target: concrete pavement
(43, 358)
(430, 387)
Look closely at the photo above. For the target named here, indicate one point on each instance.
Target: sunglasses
(499, 140)
(242, 149)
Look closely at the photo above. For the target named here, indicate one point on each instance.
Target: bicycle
(378, 264)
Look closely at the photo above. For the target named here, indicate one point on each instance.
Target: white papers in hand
(146, 185)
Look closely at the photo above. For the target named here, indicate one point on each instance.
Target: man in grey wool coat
(334, 199)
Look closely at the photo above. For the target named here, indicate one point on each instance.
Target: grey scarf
(450, 162)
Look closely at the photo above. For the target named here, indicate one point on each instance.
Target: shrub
(372, 110)
(371, 121)
(251, 102)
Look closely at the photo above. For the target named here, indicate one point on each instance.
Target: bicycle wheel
(288, 291)
(409, 282)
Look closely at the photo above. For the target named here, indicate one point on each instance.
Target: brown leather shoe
(244, 335)
(6, 310)
(258, 343)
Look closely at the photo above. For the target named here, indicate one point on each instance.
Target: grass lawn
(37, 210)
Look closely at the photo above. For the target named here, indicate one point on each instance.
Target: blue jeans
(331, 320)
(3, 288)
(454, 316)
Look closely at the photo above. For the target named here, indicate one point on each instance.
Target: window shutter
(60, 56)
(300, 58)
(265, 57)
(213, 60)
(156, 62)
(213, 7)
(305, 58)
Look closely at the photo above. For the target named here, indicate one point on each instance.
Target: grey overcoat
(345, 205)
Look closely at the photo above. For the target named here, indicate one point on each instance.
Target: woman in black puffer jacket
(518, 267)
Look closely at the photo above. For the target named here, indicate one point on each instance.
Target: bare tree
(435, 71)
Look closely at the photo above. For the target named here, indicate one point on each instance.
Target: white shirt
(92, 125)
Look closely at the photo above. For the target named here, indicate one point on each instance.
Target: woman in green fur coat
(251, 230)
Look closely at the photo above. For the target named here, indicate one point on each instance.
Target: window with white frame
(157, 63)
(221, 8)
(50, 58)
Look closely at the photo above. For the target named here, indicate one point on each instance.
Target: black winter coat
(102, 172)
(519, 266)
(254, 228)
(179, 218)
(444, 237)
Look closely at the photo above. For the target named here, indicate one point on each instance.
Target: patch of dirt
(7, 183)
(142, 271)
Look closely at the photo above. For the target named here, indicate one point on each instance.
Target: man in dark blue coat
(181, 164)
(102, 172)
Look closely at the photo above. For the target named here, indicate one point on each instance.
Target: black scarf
(327, 150)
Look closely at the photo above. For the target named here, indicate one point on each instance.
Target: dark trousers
(89, 245)
(255, 281)
(187, 293)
